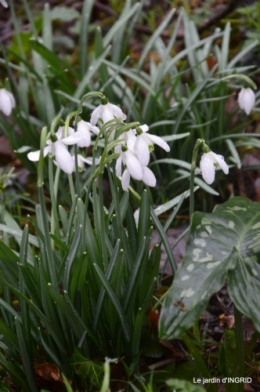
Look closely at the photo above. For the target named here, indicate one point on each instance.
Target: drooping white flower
(83, 135)
(144, 144)
(57, 148)
(106, 113)
(208, 163)
(4, 3)
(82, 160)
(246, 99)
(7, 102)
(132, 168)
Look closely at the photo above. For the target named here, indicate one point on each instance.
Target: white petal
(63, 158)
(160, 142)
(246, 99)
(144, 128)
(85, 141)
(4, 3)
(130, 137)
(148, 177)
(119, 166)
(61, 132)
(96, 114)
(34, 156)
(73, 139)
(107, 115)
(80, 161)
(142, 151)
(207, 168)
(133, 165)
(136, 216)
(125, 180)
(116, 111)
(84, 126)
(221, 162)
(7, 102)
(89, 161)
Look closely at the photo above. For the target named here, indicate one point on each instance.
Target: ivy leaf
(89, 372)
(221, 245)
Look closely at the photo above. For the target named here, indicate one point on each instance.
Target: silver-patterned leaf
(223, 244)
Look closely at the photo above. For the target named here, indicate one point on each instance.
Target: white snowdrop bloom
(133, 168)
(83, 135)
(7, 102)
(63, 159)
(82, 160)
(208, 163)
(144, 144)
(246, 99)
(106, 113)
(4, 3)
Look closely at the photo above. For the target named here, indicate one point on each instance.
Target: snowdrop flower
(208, 163)
(4, 3)
(83, 136)
(144, 144)
(133, 168)
(246, 99)
(56, 147)
(106, 113)
(7, 102)
(81, 161)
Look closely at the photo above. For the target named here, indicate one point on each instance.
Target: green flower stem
(134, 193)
(54, 123)
(101, 217)
(41, 159)
(67, 123)
(94, 94)
(240, 346)
(243, 77)
(72, 189)
(199, 361)
(50, 267)
(198, 143)
(54, 214)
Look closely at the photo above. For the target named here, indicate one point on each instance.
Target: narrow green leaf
(154, 37)
(26, 358)
(164, 240)
(109, 272)
(144, 217)
(17, 378)
(131, 288)
(71, 257)
(115, 301)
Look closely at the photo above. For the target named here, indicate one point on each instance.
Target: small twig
(108, 10)
(232, 5)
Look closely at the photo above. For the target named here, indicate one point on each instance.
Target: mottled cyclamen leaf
(223, 244)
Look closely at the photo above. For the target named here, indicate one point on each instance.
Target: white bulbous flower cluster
(135, 156)
(134, 146)
(57, 143)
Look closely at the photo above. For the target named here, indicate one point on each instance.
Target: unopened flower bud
(246, 99)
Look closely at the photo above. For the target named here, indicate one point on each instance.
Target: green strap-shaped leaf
(223, 244)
